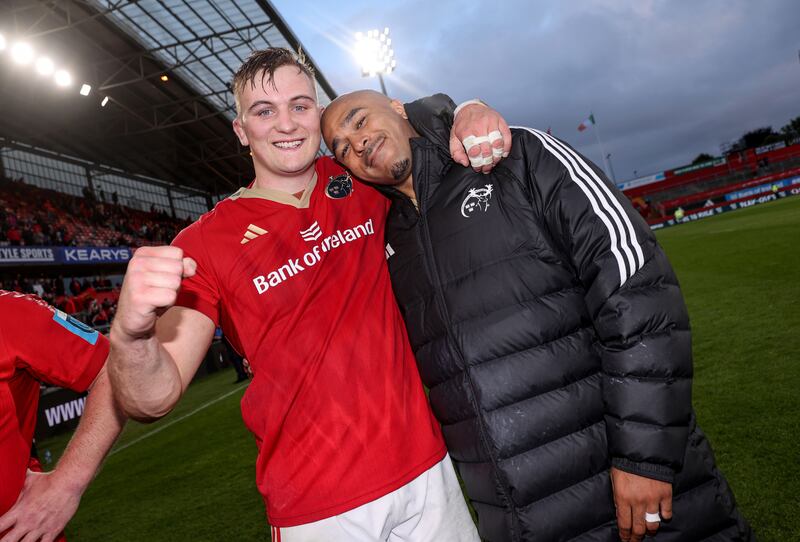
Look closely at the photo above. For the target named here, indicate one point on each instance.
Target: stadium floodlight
(104, 102)
(22, 53)
(63, 78)
(86, 89)
(2, 42)
(375, 54)
(44, 66)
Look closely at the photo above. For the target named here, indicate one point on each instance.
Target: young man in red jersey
(40, 343)
(348, 447)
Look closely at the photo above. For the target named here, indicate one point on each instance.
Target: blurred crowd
(92, 300)
(32, 216)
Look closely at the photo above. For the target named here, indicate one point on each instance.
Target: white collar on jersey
(278, 196)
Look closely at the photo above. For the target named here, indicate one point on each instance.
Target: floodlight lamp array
(23, 54)
(374, 52)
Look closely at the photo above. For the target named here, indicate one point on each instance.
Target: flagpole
(602, 150)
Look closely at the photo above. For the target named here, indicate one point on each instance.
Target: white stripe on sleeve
(603, 203)
(630, 240)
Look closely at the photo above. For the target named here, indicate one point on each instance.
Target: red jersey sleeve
(199, 292)
(48, 343)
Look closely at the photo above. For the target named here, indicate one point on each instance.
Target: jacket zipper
(430, 268)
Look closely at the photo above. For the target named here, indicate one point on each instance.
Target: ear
(239, 131)
(399, 108)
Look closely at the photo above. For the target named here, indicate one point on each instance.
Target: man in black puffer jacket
(550, 329)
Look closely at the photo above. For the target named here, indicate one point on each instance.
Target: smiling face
(370, 135)
(279, 121)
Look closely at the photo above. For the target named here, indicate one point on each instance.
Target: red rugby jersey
(37, 343)
(301, 288)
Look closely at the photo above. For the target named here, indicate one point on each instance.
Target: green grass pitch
(191, 476)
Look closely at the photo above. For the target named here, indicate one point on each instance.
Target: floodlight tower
(375, 54)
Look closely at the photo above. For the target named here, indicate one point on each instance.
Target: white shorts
(430, 508)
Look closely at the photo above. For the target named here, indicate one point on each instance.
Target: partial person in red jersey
(39, 343)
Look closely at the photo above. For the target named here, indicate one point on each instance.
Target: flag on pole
(585, 124)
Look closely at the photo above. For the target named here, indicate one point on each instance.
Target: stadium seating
(34, 216)
(657, 200)
(30, 215)
(697, 200)
(93, 300)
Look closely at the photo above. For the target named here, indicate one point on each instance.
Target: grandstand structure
(721, 184)
(161, 69)
(128, 147)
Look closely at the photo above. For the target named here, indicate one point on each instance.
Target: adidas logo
(252, 232)
(311, 234)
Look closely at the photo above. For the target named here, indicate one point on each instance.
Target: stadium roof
(176, 130)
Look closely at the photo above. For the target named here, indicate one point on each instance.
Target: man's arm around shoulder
(476, 134)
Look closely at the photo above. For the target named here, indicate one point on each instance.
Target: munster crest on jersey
(339, 186)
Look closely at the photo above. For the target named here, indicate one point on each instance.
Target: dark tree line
(758, 137)
(767, 135)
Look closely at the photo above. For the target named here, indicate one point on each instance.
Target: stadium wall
(724, 207)
(737, 162)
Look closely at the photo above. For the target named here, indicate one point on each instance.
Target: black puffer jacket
(553, 336)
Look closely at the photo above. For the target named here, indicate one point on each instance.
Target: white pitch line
(176, 420)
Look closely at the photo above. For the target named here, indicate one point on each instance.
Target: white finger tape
(487, 161)
(470, 141)
(494, 136)
(652, 518)
(497, 153)
(476, 161)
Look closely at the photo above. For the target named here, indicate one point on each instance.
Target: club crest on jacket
(477, 200)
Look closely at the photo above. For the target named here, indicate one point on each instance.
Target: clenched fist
(151, 285)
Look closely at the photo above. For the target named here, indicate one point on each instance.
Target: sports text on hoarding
(26, 254)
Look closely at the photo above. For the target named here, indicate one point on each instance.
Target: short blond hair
(264, 63)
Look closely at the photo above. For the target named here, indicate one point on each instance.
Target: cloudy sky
(665, 79)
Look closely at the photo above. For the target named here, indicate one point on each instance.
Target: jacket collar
(429, 163)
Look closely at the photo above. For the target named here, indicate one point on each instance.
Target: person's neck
(407, 188)
(291, 184)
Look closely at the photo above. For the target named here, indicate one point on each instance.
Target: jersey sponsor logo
(477, 200)
(76, 327)
(295, 266)
(252, 232)
(339, 186)
(313, 233)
